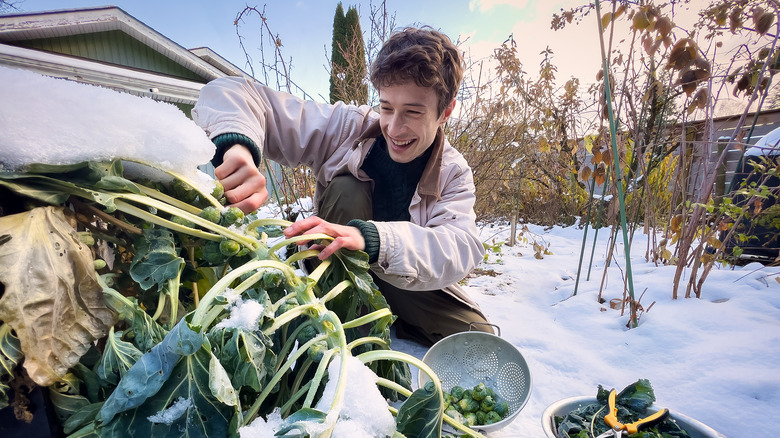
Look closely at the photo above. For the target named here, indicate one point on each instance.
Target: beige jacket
(440, 245)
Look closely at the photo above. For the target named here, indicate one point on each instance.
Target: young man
(389, 184)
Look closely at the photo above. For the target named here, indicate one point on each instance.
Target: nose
(395, 124)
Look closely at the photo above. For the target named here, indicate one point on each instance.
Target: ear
(447, 112)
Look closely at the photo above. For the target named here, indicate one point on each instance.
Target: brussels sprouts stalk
(365, 319)
(252, 412)
(321, 368)
(219, 287)
(156, 194)
(368, 340)
(337, 289)
(197, 220)
(301, 238)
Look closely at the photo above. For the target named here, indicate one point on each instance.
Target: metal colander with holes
(468, 358)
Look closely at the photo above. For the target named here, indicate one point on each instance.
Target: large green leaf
(156, 260)
(185, 401)
(10, 356)
(145, 378)
(52, 297)
(118, 356)
(421, 415)
(244, 356)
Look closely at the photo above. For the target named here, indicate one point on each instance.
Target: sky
(305, 28)
(712, 359)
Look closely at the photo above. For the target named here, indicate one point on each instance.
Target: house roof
(203, 63)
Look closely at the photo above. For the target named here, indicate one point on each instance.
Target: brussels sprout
(430, 386)
(99, 264)
(467, 393)
(218, 190)
(479, 392)
(287, 305)
(211, 214)
(317, 350)
(487, 404)
(468, 404)
(492, 393)
(481, 417)
(211, 253)
(492, 417)
(183, 191)
(455, 415)
(230, 216)
(471, 418)
(306, 334)
(229, 247)
(456, 392)
(501, 408)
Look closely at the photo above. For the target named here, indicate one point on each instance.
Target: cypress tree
(356, 86)
(348, 64)
(338, 63)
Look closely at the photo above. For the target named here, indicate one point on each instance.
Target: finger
(303, 226)
(330, 249)
(252, 203)
(253, 183)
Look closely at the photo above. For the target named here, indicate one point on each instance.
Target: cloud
(487, 5)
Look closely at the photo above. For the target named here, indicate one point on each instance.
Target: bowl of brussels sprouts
(485, 379)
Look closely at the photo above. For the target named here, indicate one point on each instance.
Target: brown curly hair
(425, 56)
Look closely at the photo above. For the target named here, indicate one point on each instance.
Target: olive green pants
(423, 316)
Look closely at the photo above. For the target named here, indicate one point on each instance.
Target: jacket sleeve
(443, 249)
(286, 129)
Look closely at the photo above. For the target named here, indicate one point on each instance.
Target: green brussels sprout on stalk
(231, 216)
(211, 214)
(229, 247)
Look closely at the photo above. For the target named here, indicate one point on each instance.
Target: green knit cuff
(223, 142)
(370, 236)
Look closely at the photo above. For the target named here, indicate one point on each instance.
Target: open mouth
(402, 144)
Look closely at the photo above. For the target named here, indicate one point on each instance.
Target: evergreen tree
(337, 61)
(348, 64)
(356, 74)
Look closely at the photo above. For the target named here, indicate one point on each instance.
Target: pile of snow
(363, 413)
(56, 121)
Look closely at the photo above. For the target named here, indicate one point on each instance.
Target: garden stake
(585, 233)
(598, 225)
(615, 160)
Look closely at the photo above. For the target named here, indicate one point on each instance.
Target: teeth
(402, 143)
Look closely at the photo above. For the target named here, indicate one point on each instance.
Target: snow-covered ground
(714, 359)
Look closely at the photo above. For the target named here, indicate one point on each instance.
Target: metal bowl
(560, 408)
(469, 358)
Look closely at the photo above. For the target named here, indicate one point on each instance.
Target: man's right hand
(244, 184)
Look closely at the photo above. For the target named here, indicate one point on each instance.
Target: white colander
(468, 358)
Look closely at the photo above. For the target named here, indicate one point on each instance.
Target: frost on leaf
(52, 297)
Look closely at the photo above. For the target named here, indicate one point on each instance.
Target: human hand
(343, 236)
(244, 184)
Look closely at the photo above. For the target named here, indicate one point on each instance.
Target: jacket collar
(429, 182)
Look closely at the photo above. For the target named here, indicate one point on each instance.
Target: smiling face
(409, 119)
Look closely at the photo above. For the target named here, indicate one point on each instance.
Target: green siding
(113, 47)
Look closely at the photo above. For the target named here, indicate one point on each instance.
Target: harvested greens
(632, 404)
(150, 309)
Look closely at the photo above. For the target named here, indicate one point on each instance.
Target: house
(106, 46)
